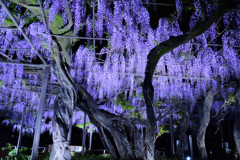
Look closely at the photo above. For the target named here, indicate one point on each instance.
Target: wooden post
(84, 135)
(40, 115)
(20, 132)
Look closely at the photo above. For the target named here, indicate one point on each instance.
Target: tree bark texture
(236, 129)
(204, 121)
(61, 126)
(119, 135)
(65, 101)
(148, 93)
(183, 126)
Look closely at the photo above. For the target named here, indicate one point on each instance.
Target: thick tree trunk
(152, 60)
(148, 93)
(123, 148)
(119, 135)
(204, 121)
(64, 102)
(236, 129)
(61, 126)
(183, 126)
(113, 130)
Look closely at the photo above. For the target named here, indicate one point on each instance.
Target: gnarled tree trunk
(183, 126)
(64, 102)
(61, 125)
(148, 92)
(153, 58)
(116, 131)
(204, 119)
(119, 135)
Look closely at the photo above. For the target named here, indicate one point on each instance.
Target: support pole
(70, 133)
(172, 136)
(94, 41)
(84, 135)
(191, 146)
(40, 115)
(90, 140)
(20, 132)
(222, 139)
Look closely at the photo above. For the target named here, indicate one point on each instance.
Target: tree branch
(173, 42)
(153, 57)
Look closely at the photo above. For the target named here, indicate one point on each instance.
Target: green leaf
(79, 125)
(156, 42)
(134, 94)
(88, 123)
(158, 104)
(82, 125)
(31, 19)
(161, 131)
(128, 107)
(8, 22)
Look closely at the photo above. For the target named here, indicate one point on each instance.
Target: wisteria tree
(121, 83)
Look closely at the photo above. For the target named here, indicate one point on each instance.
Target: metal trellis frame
(16, 49)
(44, 83)
(5, 7)
(20, 132)
(76, 37)
(26, 64)
(47, 68)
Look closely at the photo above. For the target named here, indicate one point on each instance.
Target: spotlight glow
(188, 158)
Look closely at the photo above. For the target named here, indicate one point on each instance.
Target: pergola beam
(75, 37)
(26, 64)
(100, 39)
(37, 92)
(16, 49)
(6, 28)
(149, 3)
(159, 4)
